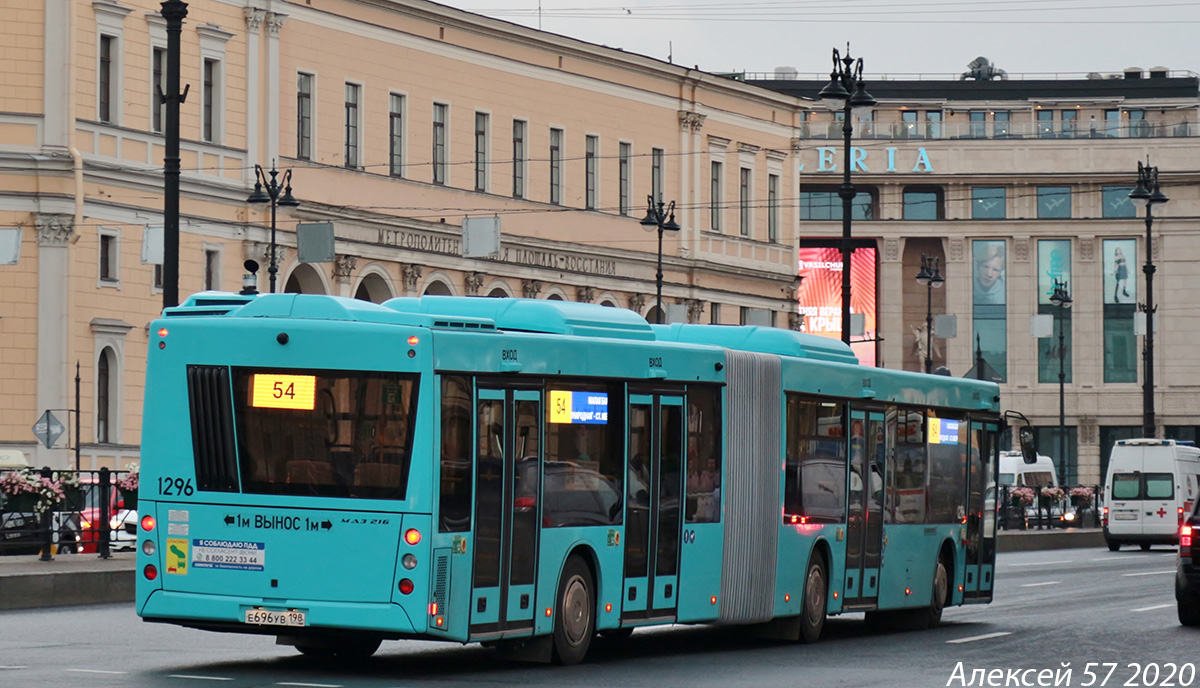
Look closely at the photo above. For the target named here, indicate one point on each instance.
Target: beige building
(399, 121)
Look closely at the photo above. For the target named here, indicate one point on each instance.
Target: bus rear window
(325, 433)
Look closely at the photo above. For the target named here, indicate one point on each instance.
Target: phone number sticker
(228, 554)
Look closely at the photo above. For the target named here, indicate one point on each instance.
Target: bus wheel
(812, 613)
(575, 623)
(941, 591)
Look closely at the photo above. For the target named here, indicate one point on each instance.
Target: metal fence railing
(1077, 508)
(86, 512)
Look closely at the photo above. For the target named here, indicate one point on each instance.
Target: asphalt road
(1077, 606)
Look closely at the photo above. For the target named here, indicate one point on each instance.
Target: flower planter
(129, 499)
(22, 503)
(72, 500)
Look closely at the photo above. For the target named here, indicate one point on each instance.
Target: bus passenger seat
(309, 472)
(378, 475)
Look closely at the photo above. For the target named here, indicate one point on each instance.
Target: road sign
(48, 429)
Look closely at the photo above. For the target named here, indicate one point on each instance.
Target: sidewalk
(66, 580)
(70, 579)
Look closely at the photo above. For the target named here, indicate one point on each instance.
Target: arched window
(373, 288)
(104, 395)
(438, 288)
(498, 293)
(304, 280)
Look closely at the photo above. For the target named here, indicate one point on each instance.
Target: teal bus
(530, 473)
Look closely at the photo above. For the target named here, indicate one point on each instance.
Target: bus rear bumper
(227, 613)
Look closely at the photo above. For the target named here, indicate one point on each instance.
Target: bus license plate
(266, 617)
(1124, 517)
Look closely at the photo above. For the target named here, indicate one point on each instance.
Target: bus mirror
(1028, 447)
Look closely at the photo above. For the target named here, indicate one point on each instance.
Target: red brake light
(150, 572)
(147, 523)
(406, 586)
(412, 536)
(1185, 541)
(162, 332)
(413, 340)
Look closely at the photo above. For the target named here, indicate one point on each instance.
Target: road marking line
(200, 678)
(1148, 573)
(1146, 609)
(1035, 585)
(1043, 563)
(979, 637)
(14, 667)
(96, 671)
(310, 685)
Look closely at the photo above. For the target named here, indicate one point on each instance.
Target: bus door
(507, 475)
(652, 507)
(864, 522)
(980, 554)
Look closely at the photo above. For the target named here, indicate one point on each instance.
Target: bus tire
(575, 622)
(812, 611)
(941, 592)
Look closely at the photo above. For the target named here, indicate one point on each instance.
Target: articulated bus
(528, 474)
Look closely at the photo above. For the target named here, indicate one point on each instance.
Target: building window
(988, 203)
(440, 114)
(212, 269)
(714, 197)
(1046, 438)
(592, 144)
(625, 163)
(990, 298)
(481, 150)
(1045, 124)
(744, 215)
(1120, 303)
(1054, 202)
(1116, 202)
(158, 276)
(1138, 126)
(933, 124)
(908, 124)
(923, 203)
(556, 153)
(520, 131)
(773, 208)
(105, 77)
(1054, 262)
(109, 256)
(158, 87)
(211, 107)
(823, 203)
(1112, 123)
(714, 313)
(1001, 124)
(396, 135)
(353, 92)
(304, 100)
(978, 124)
(104, 395)
(656, 173)
(1069, 120)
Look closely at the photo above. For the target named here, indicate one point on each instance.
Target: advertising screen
(820, 295)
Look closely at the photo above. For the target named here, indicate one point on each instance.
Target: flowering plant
(1052, 494)
(25, 483)
(129, 483)
(1023, 496)
(69, 481)
(1081, 495)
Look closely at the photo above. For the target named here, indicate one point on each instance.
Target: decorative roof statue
(982, 69)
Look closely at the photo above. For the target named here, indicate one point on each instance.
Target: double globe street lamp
(663, 217)
(1059, 297)
(1147, 194)
(931, 278)
(269, 192)
(846, 93)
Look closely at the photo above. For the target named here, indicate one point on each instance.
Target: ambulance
(1150, 488)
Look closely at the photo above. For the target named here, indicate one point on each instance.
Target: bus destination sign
(284, 391)
(578, 407)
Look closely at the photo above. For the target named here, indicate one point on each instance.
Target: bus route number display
(270, 390)
(578, 407)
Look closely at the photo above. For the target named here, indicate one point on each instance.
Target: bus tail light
(406, 586)
(412, 536)
(433, 608)
(150, 572)
(147, 523)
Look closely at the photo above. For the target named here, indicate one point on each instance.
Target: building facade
(397, 120)
(1010, 184)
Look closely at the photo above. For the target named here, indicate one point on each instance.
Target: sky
(895, 38)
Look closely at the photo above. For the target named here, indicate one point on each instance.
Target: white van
(1014, 472)
(1150, 487)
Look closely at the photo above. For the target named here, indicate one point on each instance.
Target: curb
(1038, 540)
(63, 589)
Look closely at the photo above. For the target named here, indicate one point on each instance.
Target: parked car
(120, 537)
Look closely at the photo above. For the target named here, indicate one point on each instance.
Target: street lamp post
(845, 92)
(1062, 299)
(268, 192)
(664, 219)
(931, 278)
(1147, 194)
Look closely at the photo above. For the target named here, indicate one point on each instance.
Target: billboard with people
(820, 294)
